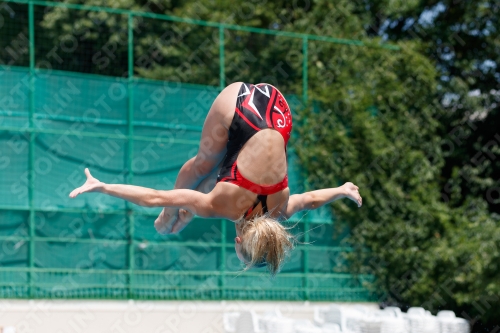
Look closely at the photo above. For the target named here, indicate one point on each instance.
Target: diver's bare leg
(212, 149)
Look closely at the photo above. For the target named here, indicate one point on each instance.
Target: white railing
(347, 319)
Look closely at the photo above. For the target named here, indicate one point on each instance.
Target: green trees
(384, 136)
(428, 162)
(461, 38)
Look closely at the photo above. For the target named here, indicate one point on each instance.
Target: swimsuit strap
(260, 199)
(263, 198)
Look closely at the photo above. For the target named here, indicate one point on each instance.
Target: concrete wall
(77, 316)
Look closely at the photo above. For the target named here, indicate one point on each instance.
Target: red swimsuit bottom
(258, 107)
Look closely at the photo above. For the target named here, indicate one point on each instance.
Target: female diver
(243, 143)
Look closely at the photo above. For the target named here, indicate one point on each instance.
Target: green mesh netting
(76, 108)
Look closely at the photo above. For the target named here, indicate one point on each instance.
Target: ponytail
(265, 242)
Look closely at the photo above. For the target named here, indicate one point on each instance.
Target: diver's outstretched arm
(196, 202)
(318, 198)
(172, 220)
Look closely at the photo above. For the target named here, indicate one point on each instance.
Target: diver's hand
(351, 192)
(91, 185)
(172, 220)
(165, 221)
(185, 216)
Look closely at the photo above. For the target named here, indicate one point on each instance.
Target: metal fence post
(223, 259)
(306, 258)
(222, 76)
(130, 151)
(31, 172)
(306, 219)
(304, 69)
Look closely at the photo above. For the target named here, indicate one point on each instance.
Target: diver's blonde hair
(265, 241)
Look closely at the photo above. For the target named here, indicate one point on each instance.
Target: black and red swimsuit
(258, 107)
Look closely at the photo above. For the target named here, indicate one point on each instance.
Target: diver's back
(262, 159)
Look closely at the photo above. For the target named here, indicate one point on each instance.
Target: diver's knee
(203, 167)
